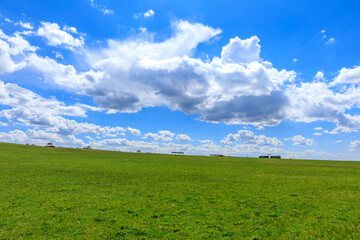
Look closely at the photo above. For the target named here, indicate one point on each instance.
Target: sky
(238, 78)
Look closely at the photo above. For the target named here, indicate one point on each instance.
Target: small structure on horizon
(279, 157)
(88, 147)
(264, 156)
(217, 155)
(49, 145)
(177, 153)
(138, 151)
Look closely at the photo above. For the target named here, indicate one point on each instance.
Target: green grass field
(90, 194)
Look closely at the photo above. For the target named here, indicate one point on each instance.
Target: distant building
(279, 157)
(264, 156)
(49, 145)
(87, 147)
(177, 153)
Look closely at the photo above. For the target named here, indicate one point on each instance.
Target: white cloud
(11, 47)
(133, 131)
(330, 41)
(347, 75)
(63, 75)
(319, 75)
(241, 51)
(58, 55)
(334, 131)
(237, 88)
(25, 25)
(156, 73)
(323, 31)
(57, 37)
(354, 145)
(317, 134)
(149, 13)
(107, 11)
(314, 101)
(7, 65)
(162, 135)
(16, 136)
(8, 20)
(299, 140)
(318, 128)
(142, 29)
(33, 110)
(18, 97)
(103, 8)
(206, 141)
(295, 60)
(248, 137)
(183, 138)
(70, 29)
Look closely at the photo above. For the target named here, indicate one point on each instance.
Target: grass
(90, 194)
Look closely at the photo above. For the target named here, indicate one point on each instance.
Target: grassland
(90, 194)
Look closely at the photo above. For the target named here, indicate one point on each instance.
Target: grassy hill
(90, 194)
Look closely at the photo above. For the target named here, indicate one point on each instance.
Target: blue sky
(240, 78)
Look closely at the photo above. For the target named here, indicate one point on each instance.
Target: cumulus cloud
(319, 75)
(128, 75)
(162, 135)
(133, 131)
(348, 76)
(12, 47)
(183, 138)
(149, 13)
(30, 109)
(54, 123)
(23, 99)
(57, 37)
(314, 101)
(70, 29)
(63, 75)
(15, 136)
(237, 87)
(248, 137)
(241, 51)
(299, 140)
